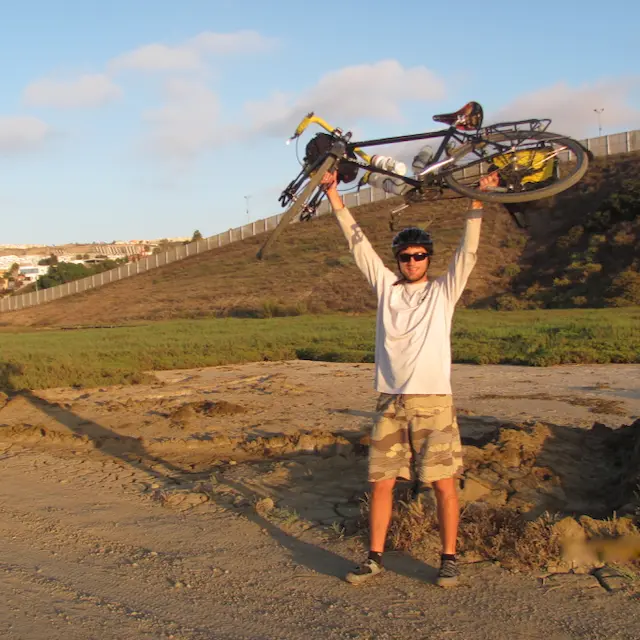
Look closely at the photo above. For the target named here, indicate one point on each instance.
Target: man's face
(413, 269)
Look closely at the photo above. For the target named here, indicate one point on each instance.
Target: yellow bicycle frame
(311, 118)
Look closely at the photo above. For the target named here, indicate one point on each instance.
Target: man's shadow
(308, 554)
(311, 554)
(127, 449)
(317, 558)
(130, 451)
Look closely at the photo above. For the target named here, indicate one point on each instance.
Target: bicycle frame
(436, 163)
(451, 133)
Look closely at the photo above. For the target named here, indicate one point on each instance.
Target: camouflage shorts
(415, 435)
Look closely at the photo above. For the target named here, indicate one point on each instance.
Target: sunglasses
(418, 257)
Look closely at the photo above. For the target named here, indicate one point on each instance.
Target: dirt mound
(545, 467)
(539, 497)
(187, 413)
(219, 408)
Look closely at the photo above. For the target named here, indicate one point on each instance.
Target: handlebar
(311, 118)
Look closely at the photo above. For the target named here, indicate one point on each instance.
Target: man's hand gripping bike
(531, 163)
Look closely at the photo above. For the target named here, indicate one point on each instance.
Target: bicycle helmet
(412, 237)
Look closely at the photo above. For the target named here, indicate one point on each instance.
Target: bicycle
(526, 156)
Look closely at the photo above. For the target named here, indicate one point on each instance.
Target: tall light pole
(599, 112)
(246, 198)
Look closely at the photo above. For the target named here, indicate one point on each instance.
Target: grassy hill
(581, 250)
(584, 245)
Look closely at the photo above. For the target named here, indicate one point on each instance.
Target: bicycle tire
(558, 186)
(297, 206)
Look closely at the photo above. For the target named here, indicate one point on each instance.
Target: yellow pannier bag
(541, 163)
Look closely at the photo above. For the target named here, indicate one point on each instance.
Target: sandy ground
(128, 512)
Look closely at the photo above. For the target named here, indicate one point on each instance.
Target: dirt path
(130, 512)
(80, 562)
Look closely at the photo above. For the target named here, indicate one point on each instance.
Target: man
(416, 426)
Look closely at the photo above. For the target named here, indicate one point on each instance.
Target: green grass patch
(122, 355)
(547, 337)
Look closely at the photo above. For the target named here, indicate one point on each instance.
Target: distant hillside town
(23, 264)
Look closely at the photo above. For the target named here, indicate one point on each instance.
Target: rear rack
(520, 125)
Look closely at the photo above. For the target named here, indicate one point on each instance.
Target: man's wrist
(336, 202)
(477, 205)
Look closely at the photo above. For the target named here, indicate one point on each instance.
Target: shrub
(515, 241)
(510, 270)
(625, 289)
(592, 267)
(509, 302)
(339, 261)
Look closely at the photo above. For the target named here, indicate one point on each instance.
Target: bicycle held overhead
(530, 162)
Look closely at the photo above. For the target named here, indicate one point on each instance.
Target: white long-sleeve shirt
(413, 326)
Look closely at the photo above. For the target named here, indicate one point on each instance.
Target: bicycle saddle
(466, 119)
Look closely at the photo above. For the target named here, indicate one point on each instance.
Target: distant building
(32, 272)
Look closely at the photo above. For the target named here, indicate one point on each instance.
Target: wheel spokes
(521, 163)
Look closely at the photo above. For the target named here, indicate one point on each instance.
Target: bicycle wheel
(298, 205)
(531, 165)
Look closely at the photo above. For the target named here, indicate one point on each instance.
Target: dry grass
(498, 534)
(505, 535)
(310, 271)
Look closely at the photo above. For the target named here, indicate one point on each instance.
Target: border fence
(602, 146)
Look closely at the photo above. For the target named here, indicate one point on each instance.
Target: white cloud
(189, 122)
(571, 109)
(158, 57)
(191, 55)
(89, 90)
(350, 95)
(19, 133)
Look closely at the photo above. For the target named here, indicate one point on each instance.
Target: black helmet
(412, 237)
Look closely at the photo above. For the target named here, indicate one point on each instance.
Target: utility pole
(598, 113)
(246, 199)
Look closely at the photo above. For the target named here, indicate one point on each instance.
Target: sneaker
(448, 575)
(363, 572)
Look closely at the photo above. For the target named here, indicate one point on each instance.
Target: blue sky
(149, 119)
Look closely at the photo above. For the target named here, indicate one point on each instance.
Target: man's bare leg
(380, 513)
(448, 519)
(448, 513)
(379, 518)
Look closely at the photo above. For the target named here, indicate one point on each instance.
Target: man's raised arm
(465, 257)
(367, 260)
